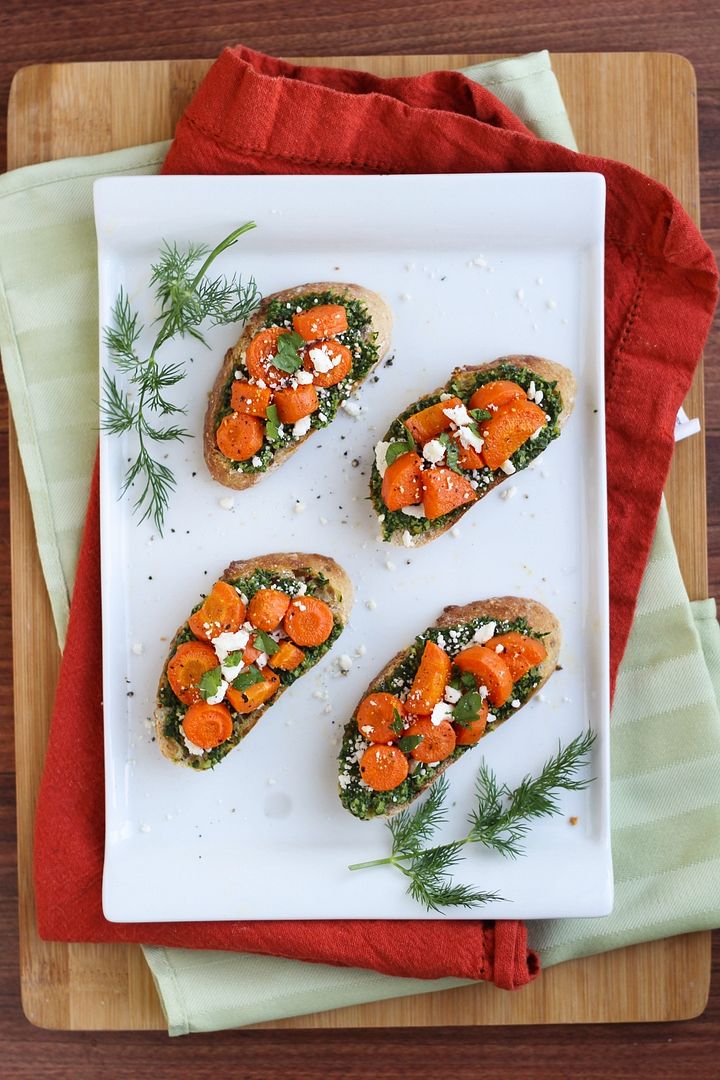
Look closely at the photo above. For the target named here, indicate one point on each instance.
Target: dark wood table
(36, 31)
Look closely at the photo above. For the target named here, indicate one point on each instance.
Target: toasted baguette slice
(336, 591)
(396, 525)
(505, 611)
(377, 335)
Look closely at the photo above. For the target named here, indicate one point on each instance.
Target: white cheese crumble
(138, 648)
(389, 564)
(507, 467)
(459, 415)
(405, 296)
(257, 462)
(452, 696)
(323, 520)
(361, 650)
(499, 648)
(219, 695)
(381, 457)
(531, 390)
(227, 502)
(508, 493)
(407, 539)
(551, 305)
(433, 451)
(370, 605)
(301, 427)
(345, 663)
(229, 642)
(231, 672)
(455, 532)
(322, 359)
(299, 506)
(413, 511)
(442, 711)
(515, 703)
(445, 397)
(484, 633)
(538, 397)
(483, 692)
(304, 378)
(468, 438)
(352, 408)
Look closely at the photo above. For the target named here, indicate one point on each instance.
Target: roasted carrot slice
(321, 321)
(259, 354)
(429, 422)
(402, 482)
(383, 767)
(249, 398)
(494, 394)
(376, 713)
(509, 428)
(469, 734)
(207, 725)
(443, 491)
(267, 608)
(222, 612)
(489, 669)
(325, 353)
(239, 436)
(430, 681)
(308, 621)
(519, 651)
(250, 653)
(252, 697)
(186, 668)
(287, 658)
(468, 456)
(437, 741)
(292, 405)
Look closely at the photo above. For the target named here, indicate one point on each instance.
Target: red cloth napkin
(255, 114)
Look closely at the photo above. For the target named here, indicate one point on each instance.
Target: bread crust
(338, 595)
(546, 369)
(381, 324)
(502, 609)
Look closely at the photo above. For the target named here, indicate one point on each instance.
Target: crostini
(299, 358)
(461, 679)
(450, 448)
(265, 623)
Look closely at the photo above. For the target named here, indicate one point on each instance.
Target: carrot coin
(308, 621)
(437, 741)
(252, 697)
(222, 612)
(248, 398)
(469, 734)
(321, 321)
(294, 404)
(267, 608)
(259, 355)
(376, 713)
(329, 361)
(383, 767)
(186, 667)
(519, 651)
(207, 725)
(239, 436)
(510, 427)
(489, 669)
(430, 680)
(494, 394)
(402, 482)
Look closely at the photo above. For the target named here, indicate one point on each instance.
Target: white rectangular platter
(474, 267)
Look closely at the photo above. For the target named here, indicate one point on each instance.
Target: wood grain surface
(43, 31)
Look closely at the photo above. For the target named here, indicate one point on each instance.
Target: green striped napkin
(666, 722)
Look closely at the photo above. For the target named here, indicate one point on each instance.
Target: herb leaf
(396, 450)
(233, 659)
(210, 683)
(468, 708)
(409, 742)
(481, 414)
(397, 725)
(272, 426)
(265, 643)
(248, 678)
(288, 355)
(451, 452)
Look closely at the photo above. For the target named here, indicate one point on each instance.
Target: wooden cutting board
(639, 108)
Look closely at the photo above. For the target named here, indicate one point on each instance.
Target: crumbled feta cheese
(299, 506)
(361, 650)
(455, 532)
(459, 415)
(389, 564)
(442, 711)
(445, 397)
(468, 438)
(321, 695)
(138, 648)
(230, 642)
(257, 462)
(352, 408)
(452, 696)
(405, 296)
(304, 378)
(323, 520)
(301, 427)
(414, 511)
(262, 660)
(538, 397)
(507, 467)
(483, 692)
(508, 493)
(484, 633)
(515, 703)
(345, 663)
(219, 694)
(551, 305)
(227, 502)
(407, 539)
(370, 605)
(322, 359)
(381, 457)
(531, 390)
(232, 672)
(499, 648)
(433, 451)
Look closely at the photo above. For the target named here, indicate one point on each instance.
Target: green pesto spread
(359, 338)
(291, 583)
(464, 386)
(355, 795)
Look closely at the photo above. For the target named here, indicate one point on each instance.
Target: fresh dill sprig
(188, 299)
(500, 820)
